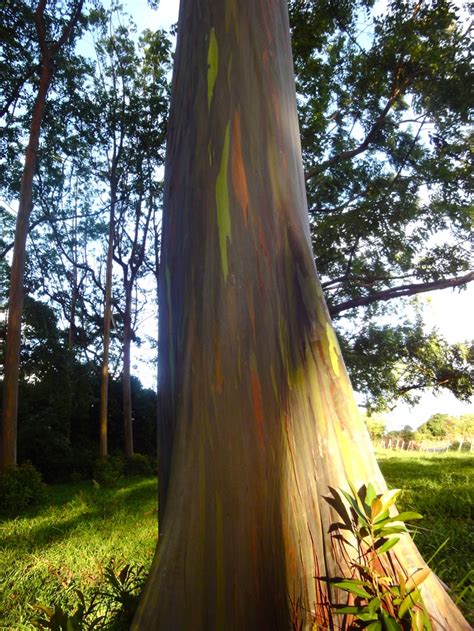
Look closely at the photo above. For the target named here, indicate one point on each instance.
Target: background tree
(52, 31)
(384, 105)
(132, 92)
(375, 426)
(438, 427)
(257, 418)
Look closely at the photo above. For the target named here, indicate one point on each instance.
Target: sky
(447, 310)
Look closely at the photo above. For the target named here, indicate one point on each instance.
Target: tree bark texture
(104, 381)
(126, 384)
(8, 454)
(257, 415)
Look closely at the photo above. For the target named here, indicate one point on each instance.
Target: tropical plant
(382, 594)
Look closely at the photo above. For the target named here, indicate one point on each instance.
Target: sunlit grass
(440, 487)
(66, 543)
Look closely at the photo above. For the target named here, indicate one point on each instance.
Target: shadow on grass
(94, 505)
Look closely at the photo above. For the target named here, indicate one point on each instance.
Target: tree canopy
(383, 97)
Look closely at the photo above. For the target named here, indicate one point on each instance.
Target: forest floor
(80, 530)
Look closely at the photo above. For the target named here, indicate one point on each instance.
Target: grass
(68, 541)
(440, 487)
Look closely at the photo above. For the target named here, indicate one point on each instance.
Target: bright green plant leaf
(353, 588)
(409, 601)
(389, 624)
(385, 547)
(374, 604)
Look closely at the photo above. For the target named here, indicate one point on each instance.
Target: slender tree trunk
(126, 386)
(104, 383)
(74, 283)
(257, 416)
(16, 296)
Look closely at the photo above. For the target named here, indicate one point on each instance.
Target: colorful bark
(257, 416)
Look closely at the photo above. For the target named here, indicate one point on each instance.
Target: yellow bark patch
(333, 348)
(222, 203)
(212, 66)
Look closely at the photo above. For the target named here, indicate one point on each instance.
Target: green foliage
(388, 361)
(383, 99)
(110, 606)
(438, 426)
(108, 471)
(383, 599)
(375, 426)
(20, 487)
(84, 618)
(138, 465)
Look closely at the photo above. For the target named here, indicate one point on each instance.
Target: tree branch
(400, 291)
(378, 124)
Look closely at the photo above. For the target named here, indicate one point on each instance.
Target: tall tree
(257, 418)
(49, 41)
(384, 107)
(132, 92)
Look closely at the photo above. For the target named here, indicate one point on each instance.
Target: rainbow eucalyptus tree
(257, 417)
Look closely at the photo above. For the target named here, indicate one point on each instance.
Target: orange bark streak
(258, 407)
(239, 179)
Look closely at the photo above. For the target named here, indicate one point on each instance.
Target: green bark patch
(222, 203)
(212, 66)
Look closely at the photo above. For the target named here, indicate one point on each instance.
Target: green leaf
(391, 530)
(390, 624)
(388, 545)
(351, 609)
(354, 588)
(374, 626)
(374, 604)
(366, 617)
(370, 494)
(408, 602)
(389, 498)
(409, 516)
(353, 503)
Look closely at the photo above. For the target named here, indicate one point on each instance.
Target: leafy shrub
(108, 471)
(138, 465)
(116, 601)
(84, 618)
(20, 487)
(381, 597)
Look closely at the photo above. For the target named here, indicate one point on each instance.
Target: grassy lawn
(67, 542)
(440, 487)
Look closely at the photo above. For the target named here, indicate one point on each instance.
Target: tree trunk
(126, 386)
(8, 452)
(104, 382)
(257, 416)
